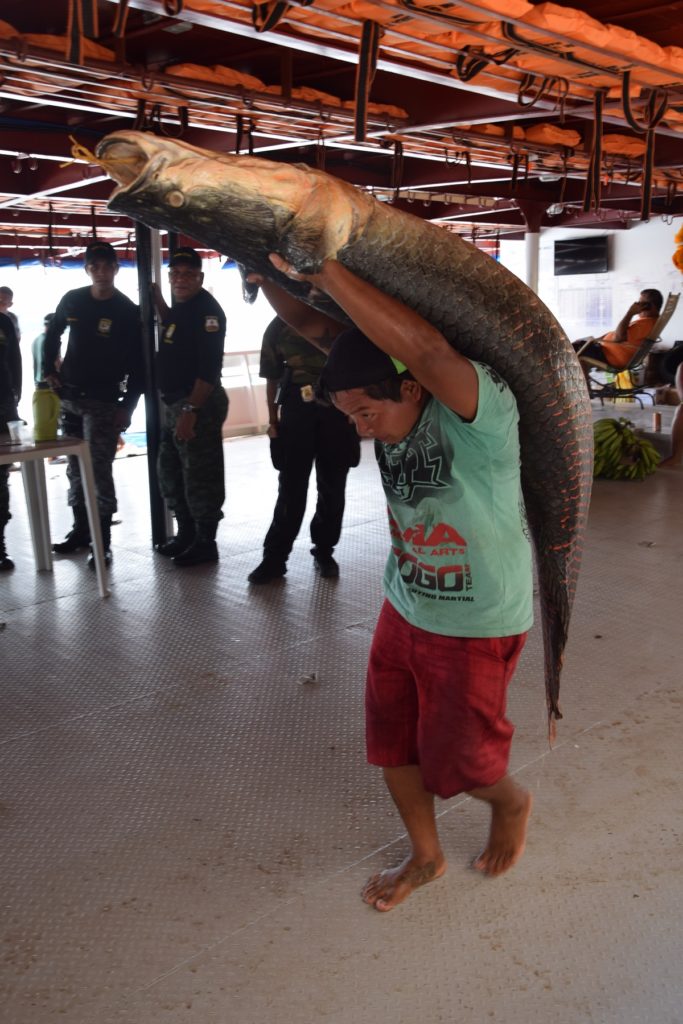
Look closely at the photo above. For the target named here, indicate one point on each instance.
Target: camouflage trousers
(93, 420)
(191, 473)
(8, 411)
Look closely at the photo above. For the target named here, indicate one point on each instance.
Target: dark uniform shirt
(105, 346)
(15, 322)
(191, 346)
(10, 362)
(282, 348)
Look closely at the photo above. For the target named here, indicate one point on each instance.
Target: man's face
(5, 301)
(102, 273)
(185, 280)
(646, 307)
(382, 419)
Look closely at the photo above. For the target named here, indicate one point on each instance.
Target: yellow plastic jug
(46, 406)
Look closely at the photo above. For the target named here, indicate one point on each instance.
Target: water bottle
(45, 413)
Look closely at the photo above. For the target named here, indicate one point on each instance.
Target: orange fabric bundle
(551, 135)
(218, 74)
(624, 145)
(316, 96)
(617, 42)
(496, 130)
(379, 109)
(504, 8)
(7, 31)
(566, 21)
(635, 47)
(90, 49)
(674, 58)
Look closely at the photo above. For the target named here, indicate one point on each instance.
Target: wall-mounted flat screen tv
(588, 255)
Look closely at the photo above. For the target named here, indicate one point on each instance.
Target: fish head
(244, 207)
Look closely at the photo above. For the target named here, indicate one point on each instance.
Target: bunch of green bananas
(620, 454)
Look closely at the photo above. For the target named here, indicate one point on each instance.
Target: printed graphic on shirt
(460, 563)
(408, 471)
(432, 557)
(104, 326)
(211, 323)
(168, 334)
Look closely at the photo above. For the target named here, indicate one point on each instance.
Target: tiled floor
(186, 819)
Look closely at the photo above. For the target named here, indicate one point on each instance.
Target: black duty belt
(73, 393)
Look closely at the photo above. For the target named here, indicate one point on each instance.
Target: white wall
(590, 304)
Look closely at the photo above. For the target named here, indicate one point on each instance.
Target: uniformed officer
(304, 433)
(6, 301)
(10, 394)
(99, 381)
(189, 366)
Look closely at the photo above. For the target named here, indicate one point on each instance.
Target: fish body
(246, 207)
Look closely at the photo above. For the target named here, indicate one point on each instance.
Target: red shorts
(439, 701)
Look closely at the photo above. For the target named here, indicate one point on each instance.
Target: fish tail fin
(556, 608)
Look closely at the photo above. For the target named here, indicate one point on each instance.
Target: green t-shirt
(460, 562)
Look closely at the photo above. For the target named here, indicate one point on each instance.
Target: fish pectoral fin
(250, 290)
(304, 246)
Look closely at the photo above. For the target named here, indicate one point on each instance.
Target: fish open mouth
(126, 161)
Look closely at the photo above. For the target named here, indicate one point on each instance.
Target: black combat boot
(269, 569)
(182, 540)
(325, 564)
(105, 528)
(6, 563)
(78, 536)
(202, 549)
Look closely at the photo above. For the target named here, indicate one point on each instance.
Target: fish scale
(246, 207)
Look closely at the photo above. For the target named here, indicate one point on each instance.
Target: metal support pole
(532, 246)
(149, 270)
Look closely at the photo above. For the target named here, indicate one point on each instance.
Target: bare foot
(387, 889)
(507, 837)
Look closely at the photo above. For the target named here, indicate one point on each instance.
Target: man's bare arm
(316, 327)
(621, 330)
(400, 332)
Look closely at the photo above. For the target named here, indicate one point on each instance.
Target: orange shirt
(620, 355)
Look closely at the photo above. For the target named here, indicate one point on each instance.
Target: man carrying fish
(246, 207)
(458, 579)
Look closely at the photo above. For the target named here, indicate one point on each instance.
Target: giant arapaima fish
(245, 208)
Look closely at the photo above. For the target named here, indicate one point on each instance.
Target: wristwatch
(188, 407)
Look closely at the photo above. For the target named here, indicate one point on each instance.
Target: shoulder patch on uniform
(211, 323)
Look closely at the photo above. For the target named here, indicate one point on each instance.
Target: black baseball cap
(98, 250)
(186, 255)
(356, 362)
